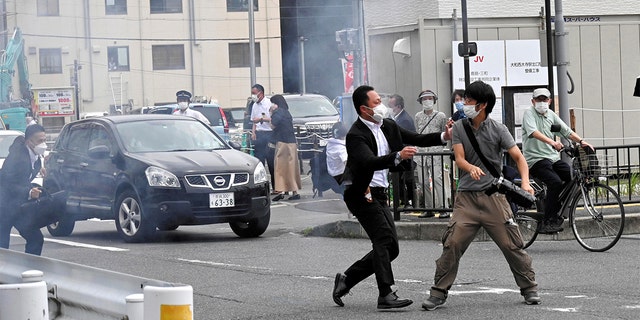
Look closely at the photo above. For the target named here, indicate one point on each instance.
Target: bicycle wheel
(528, 220)
(597, 218)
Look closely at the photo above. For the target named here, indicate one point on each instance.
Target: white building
(140, 52)
(604, 53)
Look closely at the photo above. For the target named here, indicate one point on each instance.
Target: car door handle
(84, 164)
(60, 161)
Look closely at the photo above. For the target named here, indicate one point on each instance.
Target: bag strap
(428, 122)
(476, 147)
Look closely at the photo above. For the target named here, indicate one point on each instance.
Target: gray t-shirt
(493, 138)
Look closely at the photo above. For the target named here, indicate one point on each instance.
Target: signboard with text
(56, 102)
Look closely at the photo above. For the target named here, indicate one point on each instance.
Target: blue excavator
(14, 110)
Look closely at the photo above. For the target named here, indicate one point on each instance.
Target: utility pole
(358, 53)
(562, 62)
(75, 85)
(303, 80)
(252, 44)
(465, 41)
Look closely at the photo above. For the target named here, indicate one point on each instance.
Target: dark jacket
(282, 123)
(362, 149)
(15, 178)
(406, 121)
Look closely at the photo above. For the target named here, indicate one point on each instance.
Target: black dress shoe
(427, 214)
(392, 301)
(278, 197)
(445, 215)
(294, 197)
(340, 289)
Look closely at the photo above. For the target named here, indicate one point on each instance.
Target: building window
(48, 8)
(239, 55)
(115, 6)
(166, 6)
(168, 57)
(50, 61)
(118, 58)
(240, 5)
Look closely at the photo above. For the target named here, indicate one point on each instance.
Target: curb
(435, 230)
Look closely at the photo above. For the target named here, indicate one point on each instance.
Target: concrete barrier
(76, 291)
(26, 300)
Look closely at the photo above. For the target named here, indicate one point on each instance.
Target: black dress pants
(377, 220)
(554, 175)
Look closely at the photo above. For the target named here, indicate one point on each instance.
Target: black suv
(151, 172)
(313, 117)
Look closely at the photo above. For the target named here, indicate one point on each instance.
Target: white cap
(541, 92)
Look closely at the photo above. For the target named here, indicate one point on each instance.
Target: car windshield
(169, 135)
(310, 106)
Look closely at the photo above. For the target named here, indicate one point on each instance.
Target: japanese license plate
(221, 200)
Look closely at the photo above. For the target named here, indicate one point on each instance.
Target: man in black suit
(374, 146)
(406, 183)
(22, 165)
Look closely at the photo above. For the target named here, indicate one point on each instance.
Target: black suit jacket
(15, 178)
(405, 121)
(362, 152)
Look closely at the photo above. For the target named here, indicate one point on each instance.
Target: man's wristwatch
(398, 156)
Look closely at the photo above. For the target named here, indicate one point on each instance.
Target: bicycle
(594, 210)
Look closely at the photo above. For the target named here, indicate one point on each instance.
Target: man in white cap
(183, 97)
(541, 150)
(430, 120)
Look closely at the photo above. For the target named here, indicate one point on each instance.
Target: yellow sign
(176, 312)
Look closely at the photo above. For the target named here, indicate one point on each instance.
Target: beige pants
(471, 211)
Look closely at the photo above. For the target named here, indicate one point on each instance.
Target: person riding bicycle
(541, 152)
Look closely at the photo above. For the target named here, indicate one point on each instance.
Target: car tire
(62, 228)
(131, 222)
(252, 228)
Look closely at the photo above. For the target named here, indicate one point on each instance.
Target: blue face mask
(459, 106)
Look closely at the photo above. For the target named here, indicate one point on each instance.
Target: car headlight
(260, 174)
(158, 177)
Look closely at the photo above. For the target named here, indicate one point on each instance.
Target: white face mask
(183, 105)
(470, 111)
(428, 104)
(254, 97)
(40, 149)
(541, 107)
(379, 112)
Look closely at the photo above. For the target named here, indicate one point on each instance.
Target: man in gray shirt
(474, 208)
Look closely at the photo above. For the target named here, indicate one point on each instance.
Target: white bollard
(168, 303)
(135, 306)
(28, 300)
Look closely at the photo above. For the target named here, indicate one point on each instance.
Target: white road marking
(222, 264)
(632, 307)
(79, 244)
(576, 297)
(563, 309)
(483, 290)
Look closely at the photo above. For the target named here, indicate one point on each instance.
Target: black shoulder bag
(500, 184)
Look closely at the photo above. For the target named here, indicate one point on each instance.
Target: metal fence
(621, 171)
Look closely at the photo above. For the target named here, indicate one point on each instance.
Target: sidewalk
(410, 226)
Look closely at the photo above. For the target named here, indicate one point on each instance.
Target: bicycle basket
(592, 164)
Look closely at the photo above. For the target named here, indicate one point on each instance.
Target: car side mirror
(235, 145)
(99, 152)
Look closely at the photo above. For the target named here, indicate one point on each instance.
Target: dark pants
(262, 152)
(554, 175)
(407, 185)
(376, 219)
(33, 236)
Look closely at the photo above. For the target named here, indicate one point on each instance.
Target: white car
(6, 139)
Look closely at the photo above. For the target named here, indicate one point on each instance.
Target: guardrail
(81, 292)
(623, 175)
